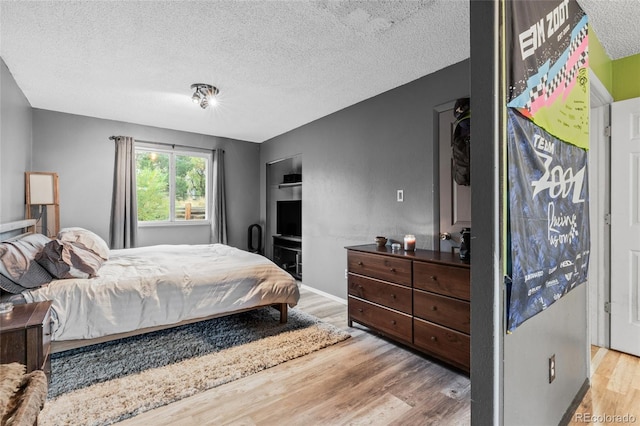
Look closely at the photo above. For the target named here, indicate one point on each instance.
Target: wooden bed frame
(65, 345)
(28, 225)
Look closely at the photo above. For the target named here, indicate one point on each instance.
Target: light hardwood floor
(363, 380)
(614, 396)
(369, 380)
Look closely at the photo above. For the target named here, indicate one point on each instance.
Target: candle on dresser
(409, 242)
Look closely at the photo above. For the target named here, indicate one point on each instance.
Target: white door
(625, 226)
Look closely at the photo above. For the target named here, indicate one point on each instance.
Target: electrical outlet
(552, 368)
(400, 195)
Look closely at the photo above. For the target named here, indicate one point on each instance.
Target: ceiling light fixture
(204, 95)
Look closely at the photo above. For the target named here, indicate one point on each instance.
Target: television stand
(287, 254)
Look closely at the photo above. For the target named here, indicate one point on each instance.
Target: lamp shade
(41, 188)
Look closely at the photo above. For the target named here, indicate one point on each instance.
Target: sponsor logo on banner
(548, 67)
(548, 218)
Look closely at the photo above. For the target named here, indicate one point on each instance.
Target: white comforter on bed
(160, 285)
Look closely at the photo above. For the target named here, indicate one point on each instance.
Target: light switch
(400, 195)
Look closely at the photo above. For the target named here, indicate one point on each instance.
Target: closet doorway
(283, 233)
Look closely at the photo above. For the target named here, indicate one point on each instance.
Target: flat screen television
(289, 218)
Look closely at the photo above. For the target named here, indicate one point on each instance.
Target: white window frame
(172, 151)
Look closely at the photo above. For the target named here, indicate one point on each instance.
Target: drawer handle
(434, 339)
(434, 278)
(360, 310)
(359, 286)
(393, 322)
(393, 296)
(392, 269)
(434, 308)
(360, 263)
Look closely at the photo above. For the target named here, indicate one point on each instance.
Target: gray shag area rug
(109, 382)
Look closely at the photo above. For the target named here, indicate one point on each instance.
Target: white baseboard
(322, 293)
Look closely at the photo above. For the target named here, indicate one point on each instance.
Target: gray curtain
(218, 206)
(123, 230)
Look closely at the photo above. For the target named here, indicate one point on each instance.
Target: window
(172, 185)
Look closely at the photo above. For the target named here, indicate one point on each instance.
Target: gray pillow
(63, 259)
(18, 265)
(9, 286)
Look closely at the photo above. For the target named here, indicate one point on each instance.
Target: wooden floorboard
(365, 380)
(614, 396)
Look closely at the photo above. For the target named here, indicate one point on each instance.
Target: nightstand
(25, 336)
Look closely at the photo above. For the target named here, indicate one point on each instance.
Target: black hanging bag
(461, 143)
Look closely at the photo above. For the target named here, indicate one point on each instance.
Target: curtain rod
(172, 145)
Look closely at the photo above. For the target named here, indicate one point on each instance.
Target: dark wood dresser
(420, 299)
(25, 336)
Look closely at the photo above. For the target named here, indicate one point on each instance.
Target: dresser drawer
(450, 345)
(386, 268)
(394, 296)
(442, 279)
(442, 310)
(390, 322)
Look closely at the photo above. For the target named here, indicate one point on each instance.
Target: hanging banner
(548, 67)
(548, 218)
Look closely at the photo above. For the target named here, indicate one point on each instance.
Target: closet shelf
(289, 185)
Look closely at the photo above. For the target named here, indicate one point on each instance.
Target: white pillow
(86, 239)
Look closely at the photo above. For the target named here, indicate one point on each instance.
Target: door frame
(437, 110)
(599, 284)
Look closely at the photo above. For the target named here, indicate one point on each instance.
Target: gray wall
(353, 163)
(15, 146)
(78, 149)
(529, 398)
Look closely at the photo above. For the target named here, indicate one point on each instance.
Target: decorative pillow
(37, 241)
(18, 268)
(87, 239)
(63, 259)
(35, 277)
(9, 286)
(15, 298)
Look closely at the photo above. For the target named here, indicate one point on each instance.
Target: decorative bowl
(381, 241)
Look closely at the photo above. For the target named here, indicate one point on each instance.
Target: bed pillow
(89, 240)
(64, 259)
(18, 268)
(9, 286)
(14, 298)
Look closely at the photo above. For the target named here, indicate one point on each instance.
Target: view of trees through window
(155, 172)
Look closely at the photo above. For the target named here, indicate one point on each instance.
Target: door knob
(445, 236)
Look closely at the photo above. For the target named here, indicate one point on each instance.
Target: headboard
(11, 229)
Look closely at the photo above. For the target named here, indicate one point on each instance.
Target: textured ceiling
(278, 64)
(617, 24)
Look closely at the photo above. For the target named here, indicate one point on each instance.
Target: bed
(117, 293)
